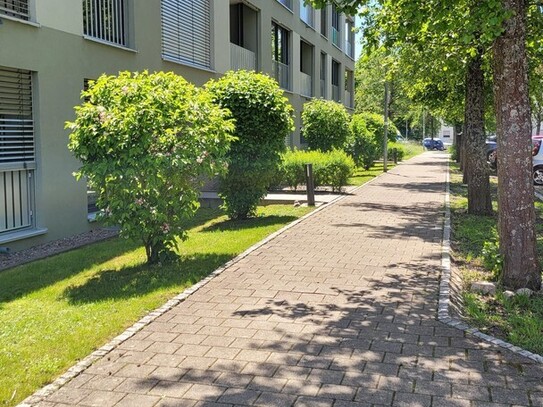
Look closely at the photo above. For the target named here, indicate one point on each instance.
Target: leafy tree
(143, 140)
(499, 25)
(263, 121)
(325, 124)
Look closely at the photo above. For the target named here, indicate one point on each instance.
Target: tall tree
(516, 220)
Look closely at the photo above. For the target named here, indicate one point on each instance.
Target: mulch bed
(55, 247)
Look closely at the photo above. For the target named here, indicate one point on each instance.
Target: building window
(186, 32)
(14, 8)
(324, 22)
(349, 88)
(105, 20)
(307, 13)
(336, 18)
(280, 55)
(17, 153)
(349, 38)
(286, 3)
(336, 68)
(323, 75)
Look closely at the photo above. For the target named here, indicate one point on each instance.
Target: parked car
(537, 157)
(491, 156)
(433, 144)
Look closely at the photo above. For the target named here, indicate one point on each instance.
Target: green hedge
(332, 168)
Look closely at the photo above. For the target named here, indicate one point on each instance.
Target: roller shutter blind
(14, 8)
(16, 121)
(186, 31)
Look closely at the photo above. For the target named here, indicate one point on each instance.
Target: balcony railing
(335, 37)
(16, 197)
(348, 99)
(349, 50)
(242, 58)
(280, 73)
(105, 20)
(307, 14)
(335, 93)
(305, 85)
(286, 3)
(323, 88)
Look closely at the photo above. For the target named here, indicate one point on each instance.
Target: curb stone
(444, 288)
(41, 394)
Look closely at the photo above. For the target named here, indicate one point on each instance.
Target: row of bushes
(331, 168)
(328, 126)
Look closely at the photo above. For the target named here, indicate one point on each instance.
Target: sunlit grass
(55, 311)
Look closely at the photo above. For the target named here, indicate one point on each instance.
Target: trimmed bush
(396, 148)
(362, 145)
(143, 140)
(263, 121)
(332, 168)
(325, 124)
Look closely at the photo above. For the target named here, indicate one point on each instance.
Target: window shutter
(14, 8)
(16, 122)
(186, 31)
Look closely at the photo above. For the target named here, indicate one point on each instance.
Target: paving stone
(275, 400)
(140, 400)
(100, 398)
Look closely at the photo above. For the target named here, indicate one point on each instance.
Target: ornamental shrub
(325, 124)
(337, 169)
(332, 168)
(396, 148)
(362, 145)
(144, 140)
(263, 121)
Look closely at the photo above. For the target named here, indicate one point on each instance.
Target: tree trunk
(459, 146)
(456, 140)
(479, 202)
(516, 220)
(464, 163)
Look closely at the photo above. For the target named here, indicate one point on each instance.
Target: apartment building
(49, 49)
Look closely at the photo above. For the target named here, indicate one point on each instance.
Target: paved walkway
(339, 311)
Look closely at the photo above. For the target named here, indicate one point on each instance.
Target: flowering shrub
(144, 141)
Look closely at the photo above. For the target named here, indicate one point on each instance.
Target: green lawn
(518, 320)
(55, 311)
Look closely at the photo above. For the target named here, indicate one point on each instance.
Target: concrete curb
(81, 366)
(443, 313)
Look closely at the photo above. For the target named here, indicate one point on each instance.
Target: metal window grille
(105, 20)
(17, 153)
(15, 8)
(186, 31)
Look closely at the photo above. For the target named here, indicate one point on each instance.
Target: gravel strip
(55, 247)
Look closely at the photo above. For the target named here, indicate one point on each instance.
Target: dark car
(433, 144)
(490, 149)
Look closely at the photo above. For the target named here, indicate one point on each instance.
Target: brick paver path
(338, 311)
